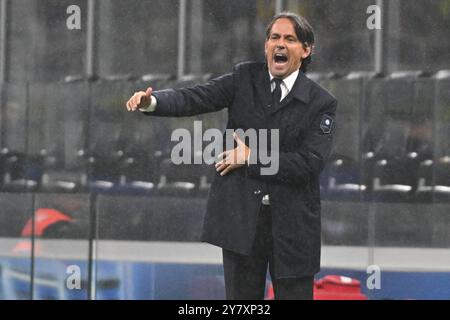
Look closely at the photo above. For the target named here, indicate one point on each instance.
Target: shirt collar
(289, 80)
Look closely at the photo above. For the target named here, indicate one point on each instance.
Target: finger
(219, 163)
(139, 98)
(222, 167)
(224, 154)
(237, 139)
(148, 92)
(227, 160)
(130, 102)
(133, 97)
(136, 100)
(230, 159)
(227, 170)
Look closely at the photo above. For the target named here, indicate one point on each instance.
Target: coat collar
(300, 90)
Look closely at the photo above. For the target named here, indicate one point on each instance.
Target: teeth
(280, 57)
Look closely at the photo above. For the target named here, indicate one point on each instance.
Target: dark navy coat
(305, 121)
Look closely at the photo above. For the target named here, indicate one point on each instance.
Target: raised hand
(233, 159)
(140, 99)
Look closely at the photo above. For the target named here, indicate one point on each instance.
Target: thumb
(148, 92)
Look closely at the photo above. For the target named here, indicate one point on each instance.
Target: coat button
(269, 105)
(257, 191)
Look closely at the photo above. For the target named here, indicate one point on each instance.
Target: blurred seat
(424, 190)
(185, 179)
(392, 181)
(367, 163)
(178, 180)
(362, 75)
(393, 140)
(57, 177)
(138, 173)
(195, 78)
(344, 182)
(141, 154)
(387, 169)
(433, 181)
(442, 74)
(441, 187)
(21, 172)
(4, 154)
(119, 77)
(104, 171)
(387, 115)
(321, 76)
(407, 74)
(106, 126)
(74, 78)
(163, 77)
(341, 175)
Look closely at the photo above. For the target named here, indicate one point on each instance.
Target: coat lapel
(300, 91)
(261, 81)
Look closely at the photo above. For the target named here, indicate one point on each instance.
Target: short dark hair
(303, 31)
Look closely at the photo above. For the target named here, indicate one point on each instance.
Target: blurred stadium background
(85, 183)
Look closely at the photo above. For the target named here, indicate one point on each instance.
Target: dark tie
(276, 94)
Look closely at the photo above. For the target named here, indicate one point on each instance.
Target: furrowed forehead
(284, 27)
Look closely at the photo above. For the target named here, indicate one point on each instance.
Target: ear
(265, 47)
(307, 52)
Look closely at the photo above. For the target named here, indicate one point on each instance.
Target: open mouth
(280, 58)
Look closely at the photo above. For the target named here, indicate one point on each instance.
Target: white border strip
(345, 257)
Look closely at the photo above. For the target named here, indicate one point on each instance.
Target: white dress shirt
(151, 107)
(286, 84)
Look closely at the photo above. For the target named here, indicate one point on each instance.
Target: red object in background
(338, 288)
(332, 287)
(43, 218)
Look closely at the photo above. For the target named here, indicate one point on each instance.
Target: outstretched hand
(233, 159)
(140, 99)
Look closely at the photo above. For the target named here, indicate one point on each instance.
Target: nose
(280, 44)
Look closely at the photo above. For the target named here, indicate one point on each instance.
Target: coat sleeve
(213, 96)
(299, 166)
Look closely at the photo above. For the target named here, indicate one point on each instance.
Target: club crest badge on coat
(326, 124)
